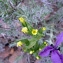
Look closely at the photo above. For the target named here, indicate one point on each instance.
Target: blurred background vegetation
(38, 13)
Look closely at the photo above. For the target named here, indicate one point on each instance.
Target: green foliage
(12, 9)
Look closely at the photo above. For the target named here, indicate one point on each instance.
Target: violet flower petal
(46, 51)
(55, 57)
(61, 56)
(59, 39)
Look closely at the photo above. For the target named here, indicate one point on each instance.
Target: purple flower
(53, 50)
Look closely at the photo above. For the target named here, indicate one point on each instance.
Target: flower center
(34, 31)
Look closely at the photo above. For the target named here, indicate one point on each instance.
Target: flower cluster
(31, 45)
(19, 43)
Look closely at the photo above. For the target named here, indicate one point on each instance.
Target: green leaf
(24, 24)
(38, 36)
(0, 0)
(40, 30)
(26, 42)
(36, 47)
(30, 29)
(42, 46)
(32, 43)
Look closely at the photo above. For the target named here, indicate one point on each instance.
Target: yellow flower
(37, 57)
(31, 52)
(19, 43)
(45, 43)
(34, 31)
(40, 49)
(43, 28)
(24, 30)
(22, 20)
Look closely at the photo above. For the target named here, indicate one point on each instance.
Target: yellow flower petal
(37, 57)
(45, 43)
(31, 52)
(43, 28)
(24, 30)
(40, 49)
(34, 31)
(19, 43)
(22, 20)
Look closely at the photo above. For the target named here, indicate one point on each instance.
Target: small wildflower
(19, 43)
(22, 20)
(45, 43)
(31, 52)
(40, 49)
(34, 31)
(43, 28)
(37, 58)
(24, 30)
